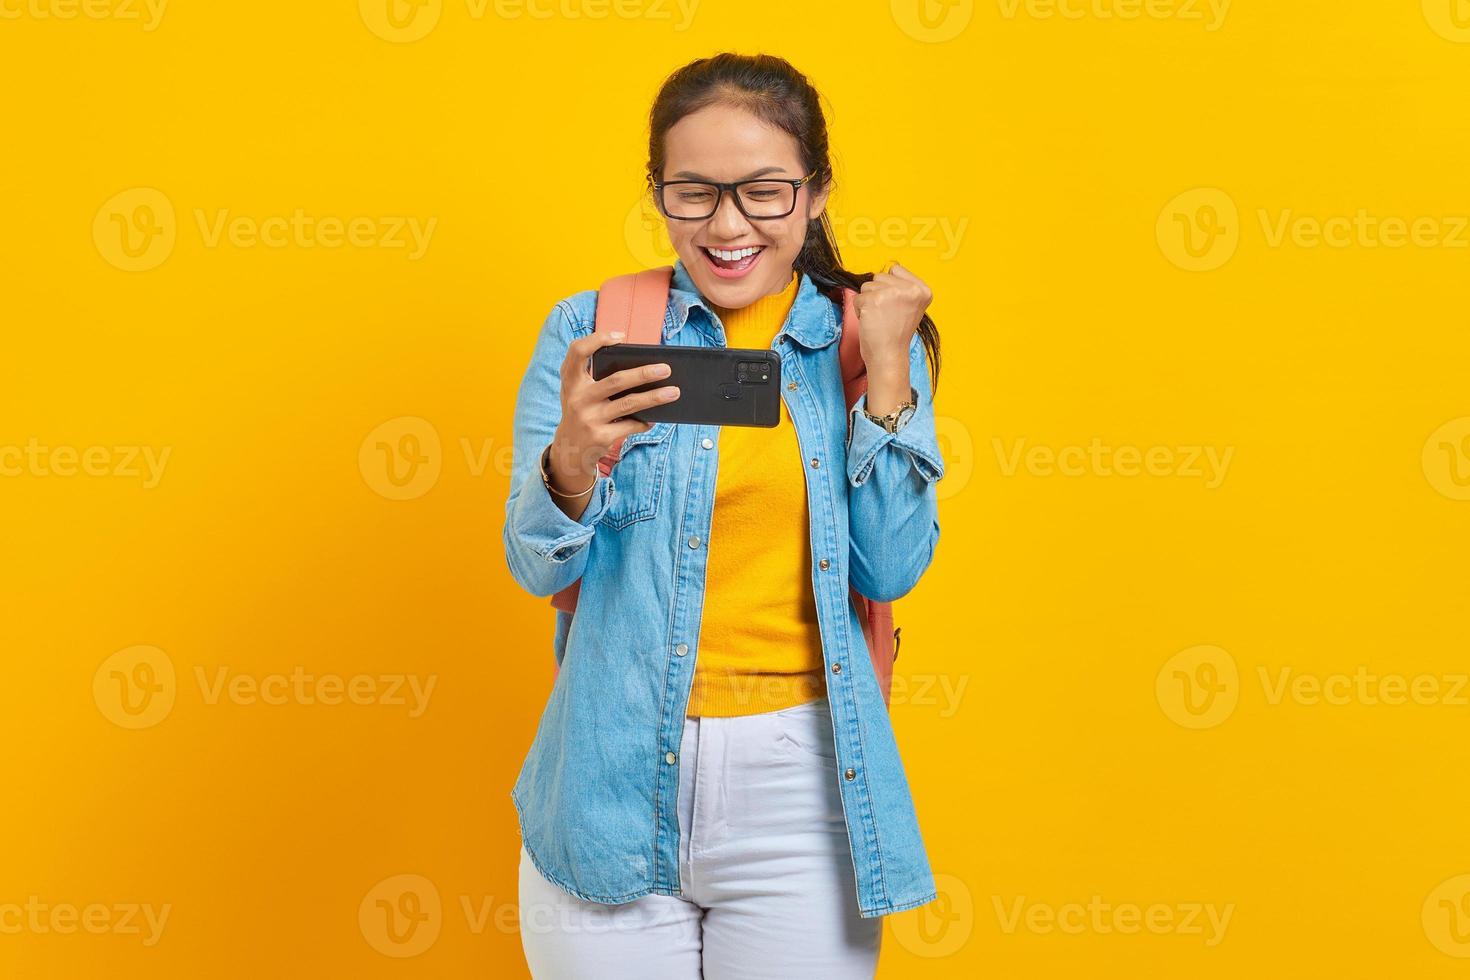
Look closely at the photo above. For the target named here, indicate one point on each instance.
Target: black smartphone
(717, 385)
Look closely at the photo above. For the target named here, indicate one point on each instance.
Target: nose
(727, 222)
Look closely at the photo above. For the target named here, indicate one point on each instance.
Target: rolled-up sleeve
(892, 503)
(545, 549)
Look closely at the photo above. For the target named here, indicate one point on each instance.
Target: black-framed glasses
(759, 198)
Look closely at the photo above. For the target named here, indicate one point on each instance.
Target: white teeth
(731, 256)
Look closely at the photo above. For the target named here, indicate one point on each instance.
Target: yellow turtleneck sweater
(759, 646)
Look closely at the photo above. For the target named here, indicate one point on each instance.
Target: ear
(818, 201)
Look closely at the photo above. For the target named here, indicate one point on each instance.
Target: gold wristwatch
(895, 418)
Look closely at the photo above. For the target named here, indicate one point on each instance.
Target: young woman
(714, 789)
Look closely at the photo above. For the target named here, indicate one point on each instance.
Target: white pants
(763, 860)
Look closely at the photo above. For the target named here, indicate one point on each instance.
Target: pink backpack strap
(635, 304)
(850, 352)
(876, 617)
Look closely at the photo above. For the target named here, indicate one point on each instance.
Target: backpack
(635, 304)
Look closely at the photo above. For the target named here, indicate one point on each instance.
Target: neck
(782, 295)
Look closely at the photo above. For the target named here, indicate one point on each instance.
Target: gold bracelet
(547, 479)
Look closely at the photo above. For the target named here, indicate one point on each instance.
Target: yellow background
(1054, 750)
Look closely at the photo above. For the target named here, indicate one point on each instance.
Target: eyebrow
(691, 175)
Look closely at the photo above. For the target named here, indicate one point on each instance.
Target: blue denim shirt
(597, 795)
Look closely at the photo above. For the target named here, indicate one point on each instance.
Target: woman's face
(724, 143)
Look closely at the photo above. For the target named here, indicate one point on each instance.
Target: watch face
(891, 423)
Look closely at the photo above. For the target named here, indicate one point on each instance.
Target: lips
(733, 268)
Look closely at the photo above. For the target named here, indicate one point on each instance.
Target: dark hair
(771, 89)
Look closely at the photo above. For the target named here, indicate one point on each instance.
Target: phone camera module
(752, 372)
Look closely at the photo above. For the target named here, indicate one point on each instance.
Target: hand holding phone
(597, 412)
(718, 385)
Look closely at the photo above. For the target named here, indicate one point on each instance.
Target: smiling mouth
(733, 259)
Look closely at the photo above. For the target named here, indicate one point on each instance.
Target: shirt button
(791, 386)
(707, 443)
(681, 649)
(816, 462)
(824, 564)
(836, 668)
(694, 542)
(671, 758)
(850, 775)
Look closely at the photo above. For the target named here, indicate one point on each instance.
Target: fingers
(584, 346)
(627, 378)
(895, 269)
(639, 400)
(894, 280)
(890, 273)
(579, 351)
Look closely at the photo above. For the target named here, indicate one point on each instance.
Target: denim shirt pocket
(639, 476)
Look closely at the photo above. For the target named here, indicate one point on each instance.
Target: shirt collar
(811, 323)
